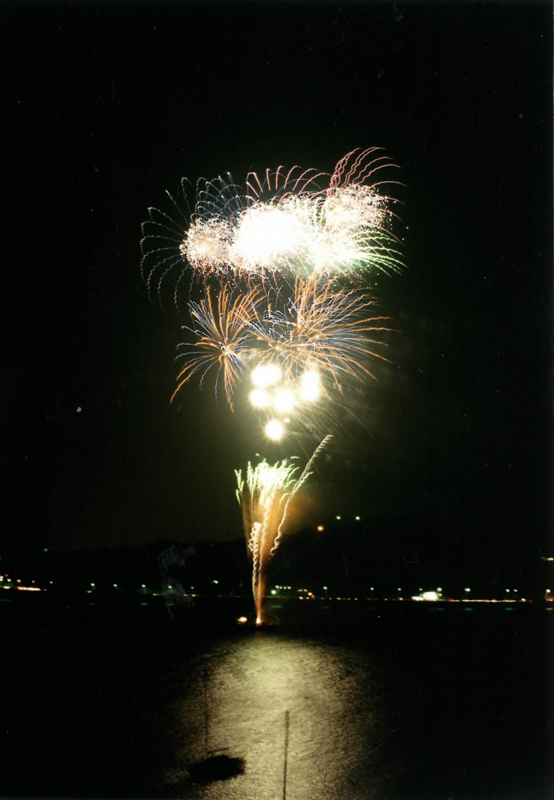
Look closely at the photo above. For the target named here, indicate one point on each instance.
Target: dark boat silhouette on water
(215, 766)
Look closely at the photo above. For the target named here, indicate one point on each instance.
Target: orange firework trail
(266, 495)
(224, 338)
(316, 330)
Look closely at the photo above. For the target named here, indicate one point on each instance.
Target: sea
(132, 697)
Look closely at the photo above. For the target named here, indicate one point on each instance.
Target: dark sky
(107, 105)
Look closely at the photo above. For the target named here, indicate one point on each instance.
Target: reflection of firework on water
(266, 496)
(288, 223)
(278, 307)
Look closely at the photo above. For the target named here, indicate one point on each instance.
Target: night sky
(107, 105)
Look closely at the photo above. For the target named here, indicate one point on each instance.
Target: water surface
(384, 701)
(247, 685)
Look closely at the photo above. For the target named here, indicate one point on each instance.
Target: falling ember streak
(223, 338)
(266, 494)
(316, 341)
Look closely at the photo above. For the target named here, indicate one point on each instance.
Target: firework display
(278, 308)
(265, 495)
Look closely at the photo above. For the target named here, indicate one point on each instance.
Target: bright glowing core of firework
(260, 398)
(207, 243)
(266, 375)
(274, 430)
(284, 401)
(282, 396)
(267, 236)
(310, 388)
(355, 207)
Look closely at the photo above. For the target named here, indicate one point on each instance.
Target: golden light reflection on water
(244, 687)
